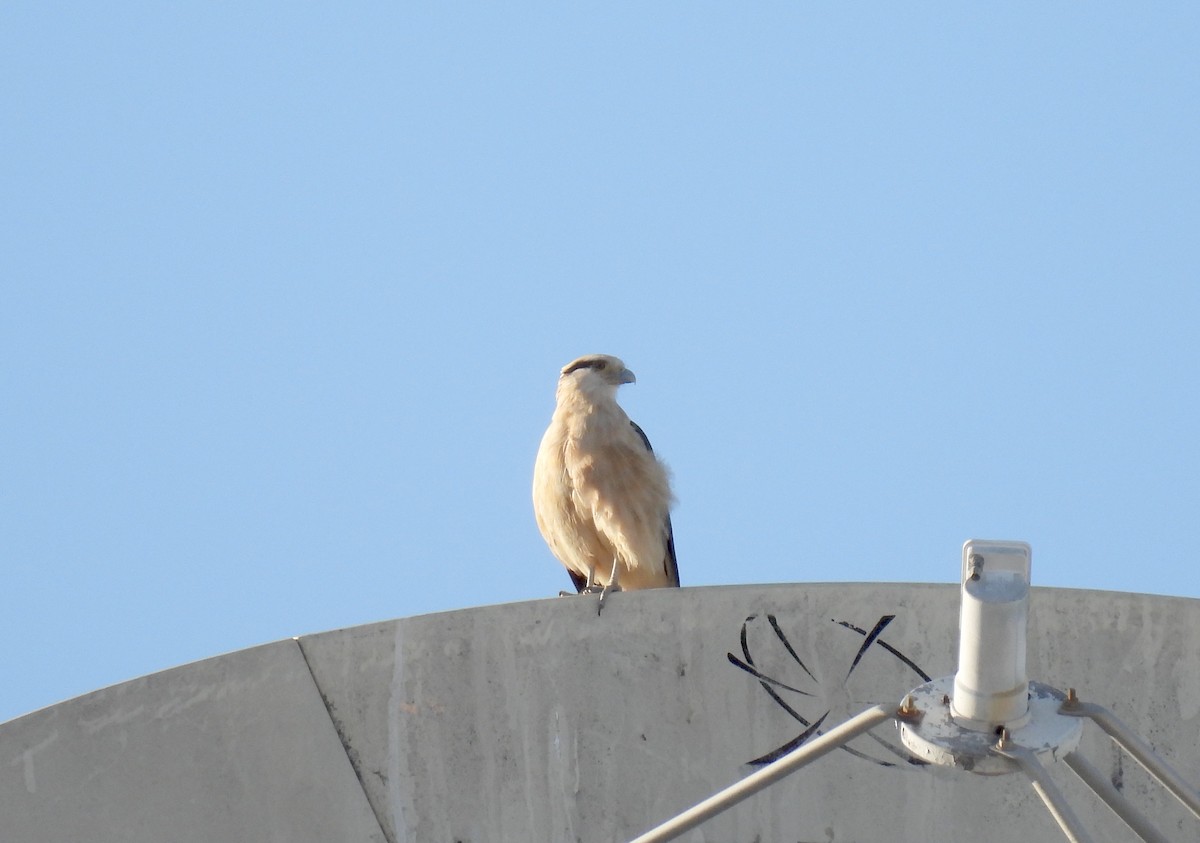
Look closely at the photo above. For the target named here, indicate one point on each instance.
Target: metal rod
(1112, 797)
(1142, 752)
(773, 772)
(1048, 790)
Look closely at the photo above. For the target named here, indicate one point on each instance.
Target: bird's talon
(604, 592)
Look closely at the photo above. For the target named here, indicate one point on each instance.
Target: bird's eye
(600, 365)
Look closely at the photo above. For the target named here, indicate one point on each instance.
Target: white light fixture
(964, 716)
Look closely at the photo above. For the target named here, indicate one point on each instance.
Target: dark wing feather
(642, 434)
(670, 564)
(578, 580)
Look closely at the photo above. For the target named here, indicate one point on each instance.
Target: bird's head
(596, 375)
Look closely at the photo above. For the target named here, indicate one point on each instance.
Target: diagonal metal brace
(753, 783)
(1132, 743)
(1111, 797)
(1045, 787)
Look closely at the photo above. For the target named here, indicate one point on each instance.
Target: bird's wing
(670, 563)
(578, 580)
(641, 435)
(553, 508)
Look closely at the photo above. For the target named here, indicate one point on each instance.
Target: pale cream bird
(601, 497)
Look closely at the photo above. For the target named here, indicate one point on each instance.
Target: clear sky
(285, 289)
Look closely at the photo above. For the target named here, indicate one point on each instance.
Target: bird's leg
(589, 586)
(612, 585)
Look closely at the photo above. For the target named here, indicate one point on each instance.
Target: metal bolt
(1003, 741)
(976, 566)
(908, 709)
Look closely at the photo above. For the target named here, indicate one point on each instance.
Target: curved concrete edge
(234, 748)
(541, 721)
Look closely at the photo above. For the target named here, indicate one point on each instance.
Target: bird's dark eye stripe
(584, 364)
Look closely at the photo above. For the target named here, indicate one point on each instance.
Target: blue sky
(286, 288)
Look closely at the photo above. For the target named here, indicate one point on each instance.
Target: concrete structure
(540, 721)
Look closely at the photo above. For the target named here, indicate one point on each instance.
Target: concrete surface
(540, 721)
(236, 748)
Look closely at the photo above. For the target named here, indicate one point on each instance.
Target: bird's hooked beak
(627, 377)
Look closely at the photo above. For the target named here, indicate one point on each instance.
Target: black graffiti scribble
(812, 727)
(872, 637)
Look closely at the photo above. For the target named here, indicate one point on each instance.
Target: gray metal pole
(1048, 790)
(1121, 806)
(1132, 743)
(773, 772)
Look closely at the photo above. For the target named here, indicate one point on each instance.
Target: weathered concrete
(540, 721)
(236, 748)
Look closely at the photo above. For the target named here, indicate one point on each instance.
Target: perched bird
(601, 498)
